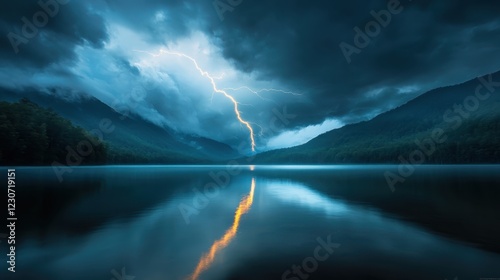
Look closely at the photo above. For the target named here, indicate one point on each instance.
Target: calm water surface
(257, 222)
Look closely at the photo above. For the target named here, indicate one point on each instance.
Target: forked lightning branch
(11, 219)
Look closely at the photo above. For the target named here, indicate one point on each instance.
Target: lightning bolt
(258, 91)
(214, 87)
(251, 90)
(220, 77)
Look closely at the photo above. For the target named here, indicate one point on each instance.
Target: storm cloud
(105, 48)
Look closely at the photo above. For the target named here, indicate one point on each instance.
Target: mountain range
(133, 139)
(454, 124)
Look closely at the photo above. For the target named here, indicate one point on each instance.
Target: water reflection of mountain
(458, 202)
(40, 204)
(89, 198)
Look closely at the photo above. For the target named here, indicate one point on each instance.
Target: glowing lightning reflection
(214, 86)
(207, 259)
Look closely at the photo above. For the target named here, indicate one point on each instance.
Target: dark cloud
(290, 42)
(428, 44)
(160, 21)
(51, 34)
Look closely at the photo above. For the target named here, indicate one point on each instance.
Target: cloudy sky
(296, 68)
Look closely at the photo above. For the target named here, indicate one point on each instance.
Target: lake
(256, 222)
